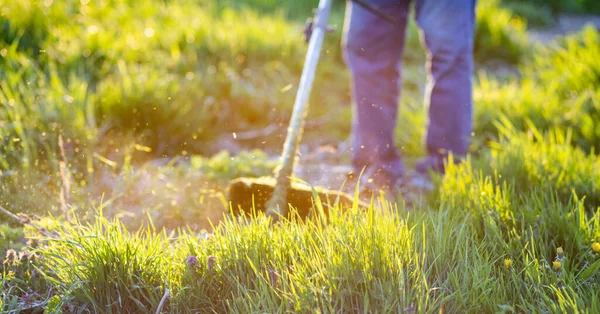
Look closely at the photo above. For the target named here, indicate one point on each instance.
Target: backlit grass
(142, 94)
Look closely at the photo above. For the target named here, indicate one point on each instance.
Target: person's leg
(448, 28)
(373, 51)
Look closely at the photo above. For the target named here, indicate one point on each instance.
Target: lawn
(121, 122)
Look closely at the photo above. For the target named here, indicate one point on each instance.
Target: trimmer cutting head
(246, 194)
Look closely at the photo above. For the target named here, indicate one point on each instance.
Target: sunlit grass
(514, 229)
(389, 261)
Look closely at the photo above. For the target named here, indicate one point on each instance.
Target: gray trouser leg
(373, 51)
(448, 28)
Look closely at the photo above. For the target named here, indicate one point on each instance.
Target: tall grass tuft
(109, 269)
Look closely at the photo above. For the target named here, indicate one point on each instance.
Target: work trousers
(373, 49)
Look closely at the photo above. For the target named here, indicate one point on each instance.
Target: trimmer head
(246, 194)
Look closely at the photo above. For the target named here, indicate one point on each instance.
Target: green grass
(141, 107)
(544, 12)
(558, 89)
(453, 255)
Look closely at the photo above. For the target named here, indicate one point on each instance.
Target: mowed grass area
(112, 112)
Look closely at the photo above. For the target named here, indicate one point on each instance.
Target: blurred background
(147, 107)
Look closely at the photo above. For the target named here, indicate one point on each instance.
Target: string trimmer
(275, 195)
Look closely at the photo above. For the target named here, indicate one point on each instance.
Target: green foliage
(558, 6)
(547, 162)
(225, 167)
(111, 270)
(512, 217)
(499, 34)
(357, 261)
(217, 59)
(174, 74)
(39, 106)
(535, 14)
(278, 272)
(24, 287)
(572, 67)
(11, 237)
(558, 90)
(214, 62)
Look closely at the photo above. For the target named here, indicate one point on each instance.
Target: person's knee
(359, 50)
(448, 36)
(447, 45)
(353, 50)
(371, 44)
